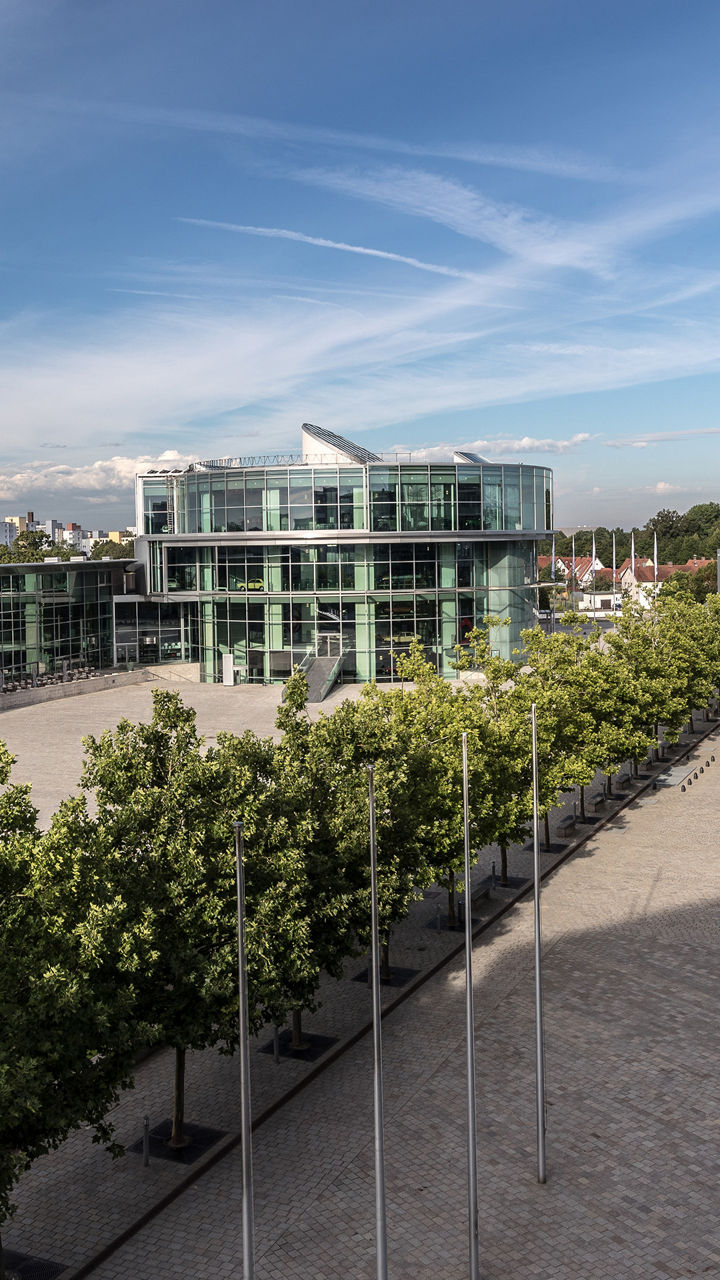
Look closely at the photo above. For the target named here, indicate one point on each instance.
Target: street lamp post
(470, 1038)
(248, 1213)
(380, 1213)
(539, 1034)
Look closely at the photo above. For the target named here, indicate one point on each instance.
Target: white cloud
(94, 482)
(651, 439)
(495, 446)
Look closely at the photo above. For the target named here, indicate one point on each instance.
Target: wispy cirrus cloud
(554, 161)
(280, 233)
(651, 439)
(510, 228)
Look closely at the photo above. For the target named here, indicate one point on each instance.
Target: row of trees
(31, 546)
(680, 537)
(120, 920)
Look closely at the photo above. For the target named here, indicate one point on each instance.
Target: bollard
(695, 776)
(683, 787)
(276, 1045)
(707, 764)
(146, 1141)
(701, 769)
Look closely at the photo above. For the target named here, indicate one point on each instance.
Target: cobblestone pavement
(632, 944)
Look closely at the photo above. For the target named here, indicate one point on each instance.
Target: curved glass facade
(374, 498)
(289, 562)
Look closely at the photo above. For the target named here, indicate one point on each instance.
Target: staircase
(320, 674)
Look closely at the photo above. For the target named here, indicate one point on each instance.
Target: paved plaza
(632, 946)
(46, 739)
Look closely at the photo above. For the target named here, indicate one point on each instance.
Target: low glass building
(255, 565)
(57, 613)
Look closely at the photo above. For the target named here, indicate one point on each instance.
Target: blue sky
(487, 225)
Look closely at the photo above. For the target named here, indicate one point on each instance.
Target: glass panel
(302, 568)
(276, 500)
(492, 498)
(414, 497)
(528, 498)
(469, 498)
(254, 500)
(383, 497)
(326, 499)
(217, 506)
(442, 498)
(352, 500)
(513, 518)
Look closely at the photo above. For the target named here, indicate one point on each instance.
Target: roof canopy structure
(335, 450)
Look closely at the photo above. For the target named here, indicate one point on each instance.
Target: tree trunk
(452, 916)
(385, 961)
(582, 804)
(297, 1043)
(609, 783)
(546, 821)
(177, 1137)
(503, 864)
(692, 723)
(636, 771)
(2, 1263)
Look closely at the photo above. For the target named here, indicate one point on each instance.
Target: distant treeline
(680, 537)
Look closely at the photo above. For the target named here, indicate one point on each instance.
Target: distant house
(643, 585)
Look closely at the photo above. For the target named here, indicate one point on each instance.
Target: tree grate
(26, 1267)
(398, 977)
(202, 1138)
(315, 1046)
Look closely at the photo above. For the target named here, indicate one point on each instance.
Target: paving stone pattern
(632, 945)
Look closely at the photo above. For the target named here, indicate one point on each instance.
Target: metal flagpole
(614, 575)
(248, 1213)
(552, 576)
(539, 1034)
(632, 554)
(470, 1038)
(574, 585)
(593, 577)
(655, 559)
(380, 1215)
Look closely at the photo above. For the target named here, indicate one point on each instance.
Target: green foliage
(68, 1034)
(116, 550)
(32, 546)
(120, 927)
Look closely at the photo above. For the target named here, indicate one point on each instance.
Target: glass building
(58, 613)
(255, 565)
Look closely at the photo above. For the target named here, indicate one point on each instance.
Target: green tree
(157, 806)
(69, 1032)
(116, 550)
(698, 585)
(167, 806)
(34, 545)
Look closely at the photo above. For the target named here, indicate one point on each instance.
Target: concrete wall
(73, 688)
